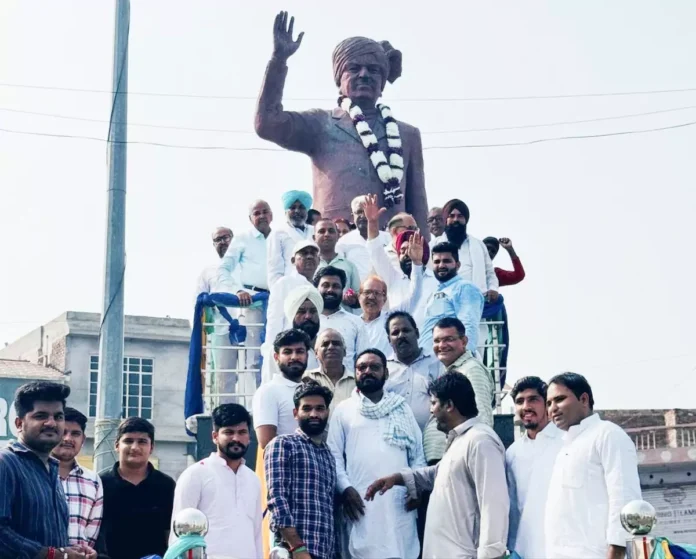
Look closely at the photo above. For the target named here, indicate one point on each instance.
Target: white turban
(299, 295)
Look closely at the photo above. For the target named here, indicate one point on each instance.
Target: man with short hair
(468, 509)
(370, 434)
(594, 476)
(505, 277)
(34, 514)
(454, 297)
(373, 297)
(395, 226)
(450, 344)
(326, 236)
(476, 265)
(301, 478)
(225, 489)
(529, 464)
(411, 368)
(436, 224)
(82, 487)
(343, 226)
(331, 282)
(207, 281)
(138, 499)
(354, 243)
(332, 371)
(313, 216)
(285, 236)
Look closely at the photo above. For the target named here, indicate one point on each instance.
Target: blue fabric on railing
(496, 311)
(193, 398)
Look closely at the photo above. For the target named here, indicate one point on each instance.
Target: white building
(154, 375)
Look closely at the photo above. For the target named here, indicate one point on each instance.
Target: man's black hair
(311, 388)
(529, 383)
(400, 314)
(373, 351)
(311, 214)
(291, 337)
(455, 387)
(227, 415)
(39, 391)
(576, 383)
(75, 416)
(330, 271)
(136, 425)
(445, 246)
(451, 322)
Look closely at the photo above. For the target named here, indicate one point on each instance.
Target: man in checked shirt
(82, 487)
(301, 478)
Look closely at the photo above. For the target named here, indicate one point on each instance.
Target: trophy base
(640, 547)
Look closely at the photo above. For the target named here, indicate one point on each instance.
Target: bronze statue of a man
(358, 147)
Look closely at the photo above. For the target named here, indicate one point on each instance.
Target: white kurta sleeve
(228, 271)
(275, 314)
(491, 279)
(380, 262)
(187, 494)
(275, 259)
(620, 463)
(337, 444)
(514, 517)
(258, 525)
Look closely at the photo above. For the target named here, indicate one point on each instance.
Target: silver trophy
(191, 521)
(638, 518)
(279, 552)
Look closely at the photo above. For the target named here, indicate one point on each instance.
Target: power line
(426, 148)
(413, 100)
(464, 131)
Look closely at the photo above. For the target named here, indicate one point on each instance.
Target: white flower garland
(391, 170)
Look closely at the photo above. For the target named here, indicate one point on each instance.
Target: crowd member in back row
(332, 371)
(82, 487)
(286, 235)
(354, 243)
(476, 265)
(505, 277)
(468, 510)
(594, 476)
(224, 489)
(33, 511)
(436, 224)
(331, 282)
(342, 226)
(529, 464)
(398, 224)
(371, 434)
(454, 297)
(207, 281)
(313, 216)
(138, 499)
(301, 479)
(326, 237)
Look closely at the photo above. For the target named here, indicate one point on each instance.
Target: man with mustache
(594, 476)
(332, 372)
(286, 235)
(82, 487)
(468, 508)
(373, 297)
(224, 489)
(207, 281)
(33, 511)
(372, 434)
(138, 498)
(454, 297)
(326, 236)
(436, 224)
(301, 479)
(354, 243)
(529, 464)
(331, 282)
(476, 265)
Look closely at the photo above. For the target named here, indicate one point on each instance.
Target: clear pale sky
(603, 226)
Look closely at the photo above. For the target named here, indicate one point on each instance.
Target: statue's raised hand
(283, 45)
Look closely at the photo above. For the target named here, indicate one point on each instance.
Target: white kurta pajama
(387, 531)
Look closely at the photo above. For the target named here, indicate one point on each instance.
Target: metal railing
(664, 436)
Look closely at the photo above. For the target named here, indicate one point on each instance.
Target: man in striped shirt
(82, 487)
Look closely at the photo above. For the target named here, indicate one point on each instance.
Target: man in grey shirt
(468, 510)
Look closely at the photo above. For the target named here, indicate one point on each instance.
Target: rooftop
(13, 368)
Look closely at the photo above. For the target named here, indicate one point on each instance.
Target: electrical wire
(426, 148)
(410, 100)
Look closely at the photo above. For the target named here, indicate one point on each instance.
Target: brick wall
(58, 354)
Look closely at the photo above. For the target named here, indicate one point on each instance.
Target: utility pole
(110, 385)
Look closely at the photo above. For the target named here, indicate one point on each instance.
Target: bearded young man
(225, 489)
(358, 147)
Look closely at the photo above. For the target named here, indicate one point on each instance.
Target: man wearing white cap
(305, 260)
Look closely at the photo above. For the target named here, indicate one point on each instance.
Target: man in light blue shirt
(243, 272)
(454, 297)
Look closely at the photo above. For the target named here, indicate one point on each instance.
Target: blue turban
(292, 196)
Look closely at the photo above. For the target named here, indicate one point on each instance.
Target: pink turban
(404, 236)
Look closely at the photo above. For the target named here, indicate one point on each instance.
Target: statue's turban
(388, 57)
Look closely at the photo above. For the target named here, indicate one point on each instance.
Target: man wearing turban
(358, 147)
(283, 238)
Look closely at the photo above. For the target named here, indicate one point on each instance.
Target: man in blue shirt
(33, 509)
(454, 297)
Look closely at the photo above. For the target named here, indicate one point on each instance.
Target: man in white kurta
(362, 439)
(595, 475)
(529, 463)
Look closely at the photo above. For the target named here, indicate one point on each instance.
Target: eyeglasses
(223, 239)
(372, 367)
(372, 293)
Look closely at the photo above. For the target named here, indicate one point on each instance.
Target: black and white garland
(390, 167)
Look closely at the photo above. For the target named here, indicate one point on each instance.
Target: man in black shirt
(138, 499)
